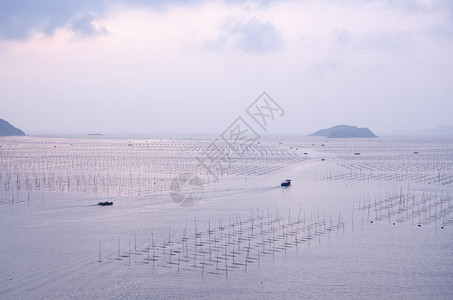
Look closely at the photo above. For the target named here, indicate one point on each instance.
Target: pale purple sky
(138, 67)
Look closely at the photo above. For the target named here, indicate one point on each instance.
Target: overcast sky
(194, 66)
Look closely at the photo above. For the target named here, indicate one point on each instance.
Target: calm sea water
(348, 227)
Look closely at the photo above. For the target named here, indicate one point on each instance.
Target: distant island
(437, 131)
(7, 129)
(345, 131)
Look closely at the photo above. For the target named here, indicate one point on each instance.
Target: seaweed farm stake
(99, 251)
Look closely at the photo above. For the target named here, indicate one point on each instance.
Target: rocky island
(345, 131)
(6, 129)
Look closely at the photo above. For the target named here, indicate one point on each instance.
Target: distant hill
(7, 129)
(437, 131)
(345, 131)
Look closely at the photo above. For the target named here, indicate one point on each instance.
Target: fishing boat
(287, 182)
(106, 203)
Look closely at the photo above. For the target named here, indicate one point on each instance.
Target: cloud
(20, 18)
(325, 65)
(255, 36)
(84, 27)
(377, 40)
(150, 70)
(444, 26)
(398, 41)
(217, 44)
(252, 36)
(342, 37)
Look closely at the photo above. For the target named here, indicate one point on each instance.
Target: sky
(193, 67)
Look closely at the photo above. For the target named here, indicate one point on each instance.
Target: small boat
(106, 203)
(287, 182)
